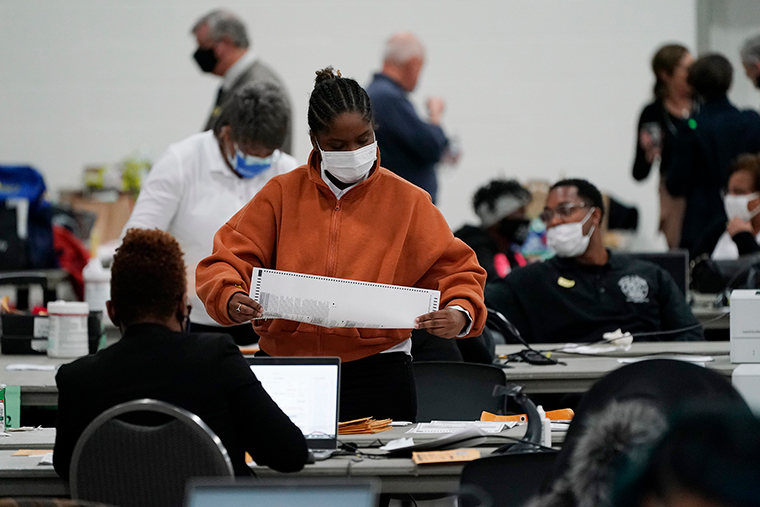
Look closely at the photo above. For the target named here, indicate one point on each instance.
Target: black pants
(243, 334)
(379, 386)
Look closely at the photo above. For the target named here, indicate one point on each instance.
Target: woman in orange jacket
(342, 215)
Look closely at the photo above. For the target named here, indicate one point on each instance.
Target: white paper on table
(31, 367)
(700, 360)
(453, 426)
(47, 459)
(336, 302)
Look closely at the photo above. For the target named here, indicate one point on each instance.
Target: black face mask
(514, 229)
(206, 59)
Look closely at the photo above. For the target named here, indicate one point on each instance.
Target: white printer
(745, 345)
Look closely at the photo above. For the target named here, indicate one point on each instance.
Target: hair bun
(326, 74)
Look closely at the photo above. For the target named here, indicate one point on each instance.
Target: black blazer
(201, 372)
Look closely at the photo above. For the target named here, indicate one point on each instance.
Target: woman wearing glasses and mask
(200, 182)
(586, 291)
(342, 215)
(740, 235)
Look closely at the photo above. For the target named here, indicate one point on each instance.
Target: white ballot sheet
(335, 302)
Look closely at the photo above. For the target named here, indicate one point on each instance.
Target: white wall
(535, 89)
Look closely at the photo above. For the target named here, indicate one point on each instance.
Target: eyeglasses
(564, 210)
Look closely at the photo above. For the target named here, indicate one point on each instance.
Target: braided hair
(334, 95)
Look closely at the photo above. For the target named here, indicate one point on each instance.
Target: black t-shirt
(560, 301)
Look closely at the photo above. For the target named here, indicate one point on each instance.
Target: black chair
(141, 453)
(507, 480)
(452, 391)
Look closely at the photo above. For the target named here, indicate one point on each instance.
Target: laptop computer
(307, 389)
(281, 493)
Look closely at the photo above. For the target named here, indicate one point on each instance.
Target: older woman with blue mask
(202, 181)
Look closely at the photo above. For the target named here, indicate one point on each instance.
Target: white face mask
(737, 206)
(349, 166)
(567, 240)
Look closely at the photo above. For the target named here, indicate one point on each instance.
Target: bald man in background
(410, 146)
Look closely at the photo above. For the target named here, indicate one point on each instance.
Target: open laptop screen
(326, 493)
(307, 389)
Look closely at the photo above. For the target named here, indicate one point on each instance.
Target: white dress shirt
(191, 192)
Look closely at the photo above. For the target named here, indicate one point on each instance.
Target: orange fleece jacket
(383, 230)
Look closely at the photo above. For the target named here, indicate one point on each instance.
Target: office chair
(457, 391)
(141, 453)
(507, 480)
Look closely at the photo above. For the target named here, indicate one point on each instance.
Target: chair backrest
(452, 391)
(507, 480)
(141, 453)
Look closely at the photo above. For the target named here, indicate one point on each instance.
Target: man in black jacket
(586, 291)
(156, 358)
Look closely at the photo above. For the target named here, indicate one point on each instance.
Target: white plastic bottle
(546, 427)
(97, 286)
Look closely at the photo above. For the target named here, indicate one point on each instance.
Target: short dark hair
(666, 59)
(711, 76)
(586, 191)
(334, 95)
(257, 113)
(749, 162)
(148, 276)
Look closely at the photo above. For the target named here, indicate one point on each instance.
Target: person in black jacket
(156, 358)
(740, 235)
(500, 205)
(706, 145)
(657, 126)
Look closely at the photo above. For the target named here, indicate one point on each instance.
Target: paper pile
(365, 426)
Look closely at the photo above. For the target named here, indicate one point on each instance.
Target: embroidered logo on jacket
(635, 288)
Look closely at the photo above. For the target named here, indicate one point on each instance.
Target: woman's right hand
(652, 147)
(241, 308)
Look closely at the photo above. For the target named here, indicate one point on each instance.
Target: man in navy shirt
(410, 147)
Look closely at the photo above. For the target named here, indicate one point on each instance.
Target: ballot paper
(336, 302)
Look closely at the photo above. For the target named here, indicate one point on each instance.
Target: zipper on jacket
(332, 249)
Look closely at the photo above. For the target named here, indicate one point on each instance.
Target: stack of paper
(565, 414)
(365, 426)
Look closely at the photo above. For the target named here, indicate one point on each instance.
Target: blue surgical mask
(249, 166)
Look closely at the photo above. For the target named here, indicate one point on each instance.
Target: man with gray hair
(224, 50)
(750, 55)
(411, 147)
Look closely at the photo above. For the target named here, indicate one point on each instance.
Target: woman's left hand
(446, 323)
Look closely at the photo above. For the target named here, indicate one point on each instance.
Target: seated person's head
(573, 215)
(500, 205)
(148, 281)
(710, 76)
(252, 125)
(708, 457)
(743, 198)
(340, 120)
